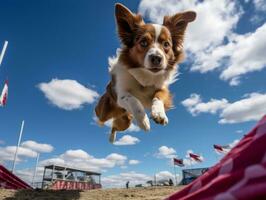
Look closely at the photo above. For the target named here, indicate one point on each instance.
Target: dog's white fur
(136, 100)
(155, 49)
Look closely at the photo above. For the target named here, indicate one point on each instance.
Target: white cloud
(127, 140)
(21, 151)
(260, 5)
(81, 159)
(246, 54)
(76, 154)
(241, 54)
(27, 174)
(53, 161)
(42, 148)
(250, 108)
(132, 127)
(7, 153)
(117, 158)
(166, 152)
(27, 149)
(164, 175)
(234, 143)
(260, 8)
(195, 105)
(239, 131)
(133, 162)
(134, 178)
(217, 17)
(67, 94)
(118, 181)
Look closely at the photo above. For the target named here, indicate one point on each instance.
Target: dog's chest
(143, 89)
(144, 94)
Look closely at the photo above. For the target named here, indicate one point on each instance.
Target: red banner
(72, 185)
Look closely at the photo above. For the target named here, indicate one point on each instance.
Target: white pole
(3, 52)
(19, 139)
(37, 162)
(175, 175)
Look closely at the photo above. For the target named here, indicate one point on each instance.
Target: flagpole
(217, 157)
(19, 139)
(155, 182)
(37, 162)
(3, 52)
(175, 175)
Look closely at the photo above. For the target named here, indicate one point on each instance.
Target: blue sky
(220, 94)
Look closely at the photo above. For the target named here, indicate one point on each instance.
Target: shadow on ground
(45, 195)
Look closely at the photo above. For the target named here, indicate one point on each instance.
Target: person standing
(171, 183)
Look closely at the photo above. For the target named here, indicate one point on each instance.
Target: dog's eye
(143, 43)
(166, 45)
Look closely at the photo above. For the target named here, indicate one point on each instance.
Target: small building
(190, 175)
(57, 177)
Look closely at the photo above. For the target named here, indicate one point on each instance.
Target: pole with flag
(19, 139)
(3, 52)
(195, 157)
(178, 162)
(221, 149)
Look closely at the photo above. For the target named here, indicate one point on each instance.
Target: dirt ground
(152, 193)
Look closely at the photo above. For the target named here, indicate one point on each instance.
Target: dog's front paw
(158, 113)
(159, 117)
(143, 122)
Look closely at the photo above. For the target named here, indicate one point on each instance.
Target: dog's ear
(127, 24)
(177, 25)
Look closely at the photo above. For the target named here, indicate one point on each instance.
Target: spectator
(171, 182)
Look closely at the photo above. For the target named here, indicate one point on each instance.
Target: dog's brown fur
(131, 29)
(107, 109)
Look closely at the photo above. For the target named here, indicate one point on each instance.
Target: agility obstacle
(9, 180)
(241, 174)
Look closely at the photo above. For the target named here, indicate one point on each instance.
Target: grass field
(152, 193)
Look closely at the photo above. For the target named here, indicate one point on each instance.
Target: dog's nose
(156, 59)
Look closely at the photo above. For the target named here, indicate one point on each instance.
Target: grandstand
(57, 177)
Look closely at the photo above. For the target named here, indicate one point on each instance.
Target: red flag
(178, 162)
(221, 149)
(195, 157)
(3, 98)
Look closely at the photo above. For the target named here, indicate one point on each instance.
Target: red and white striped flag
(195, 157)
(3, 98)
(221, 149)
(178, 162)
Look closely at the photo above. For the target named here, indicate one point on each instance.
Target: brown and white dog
(143, 69)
